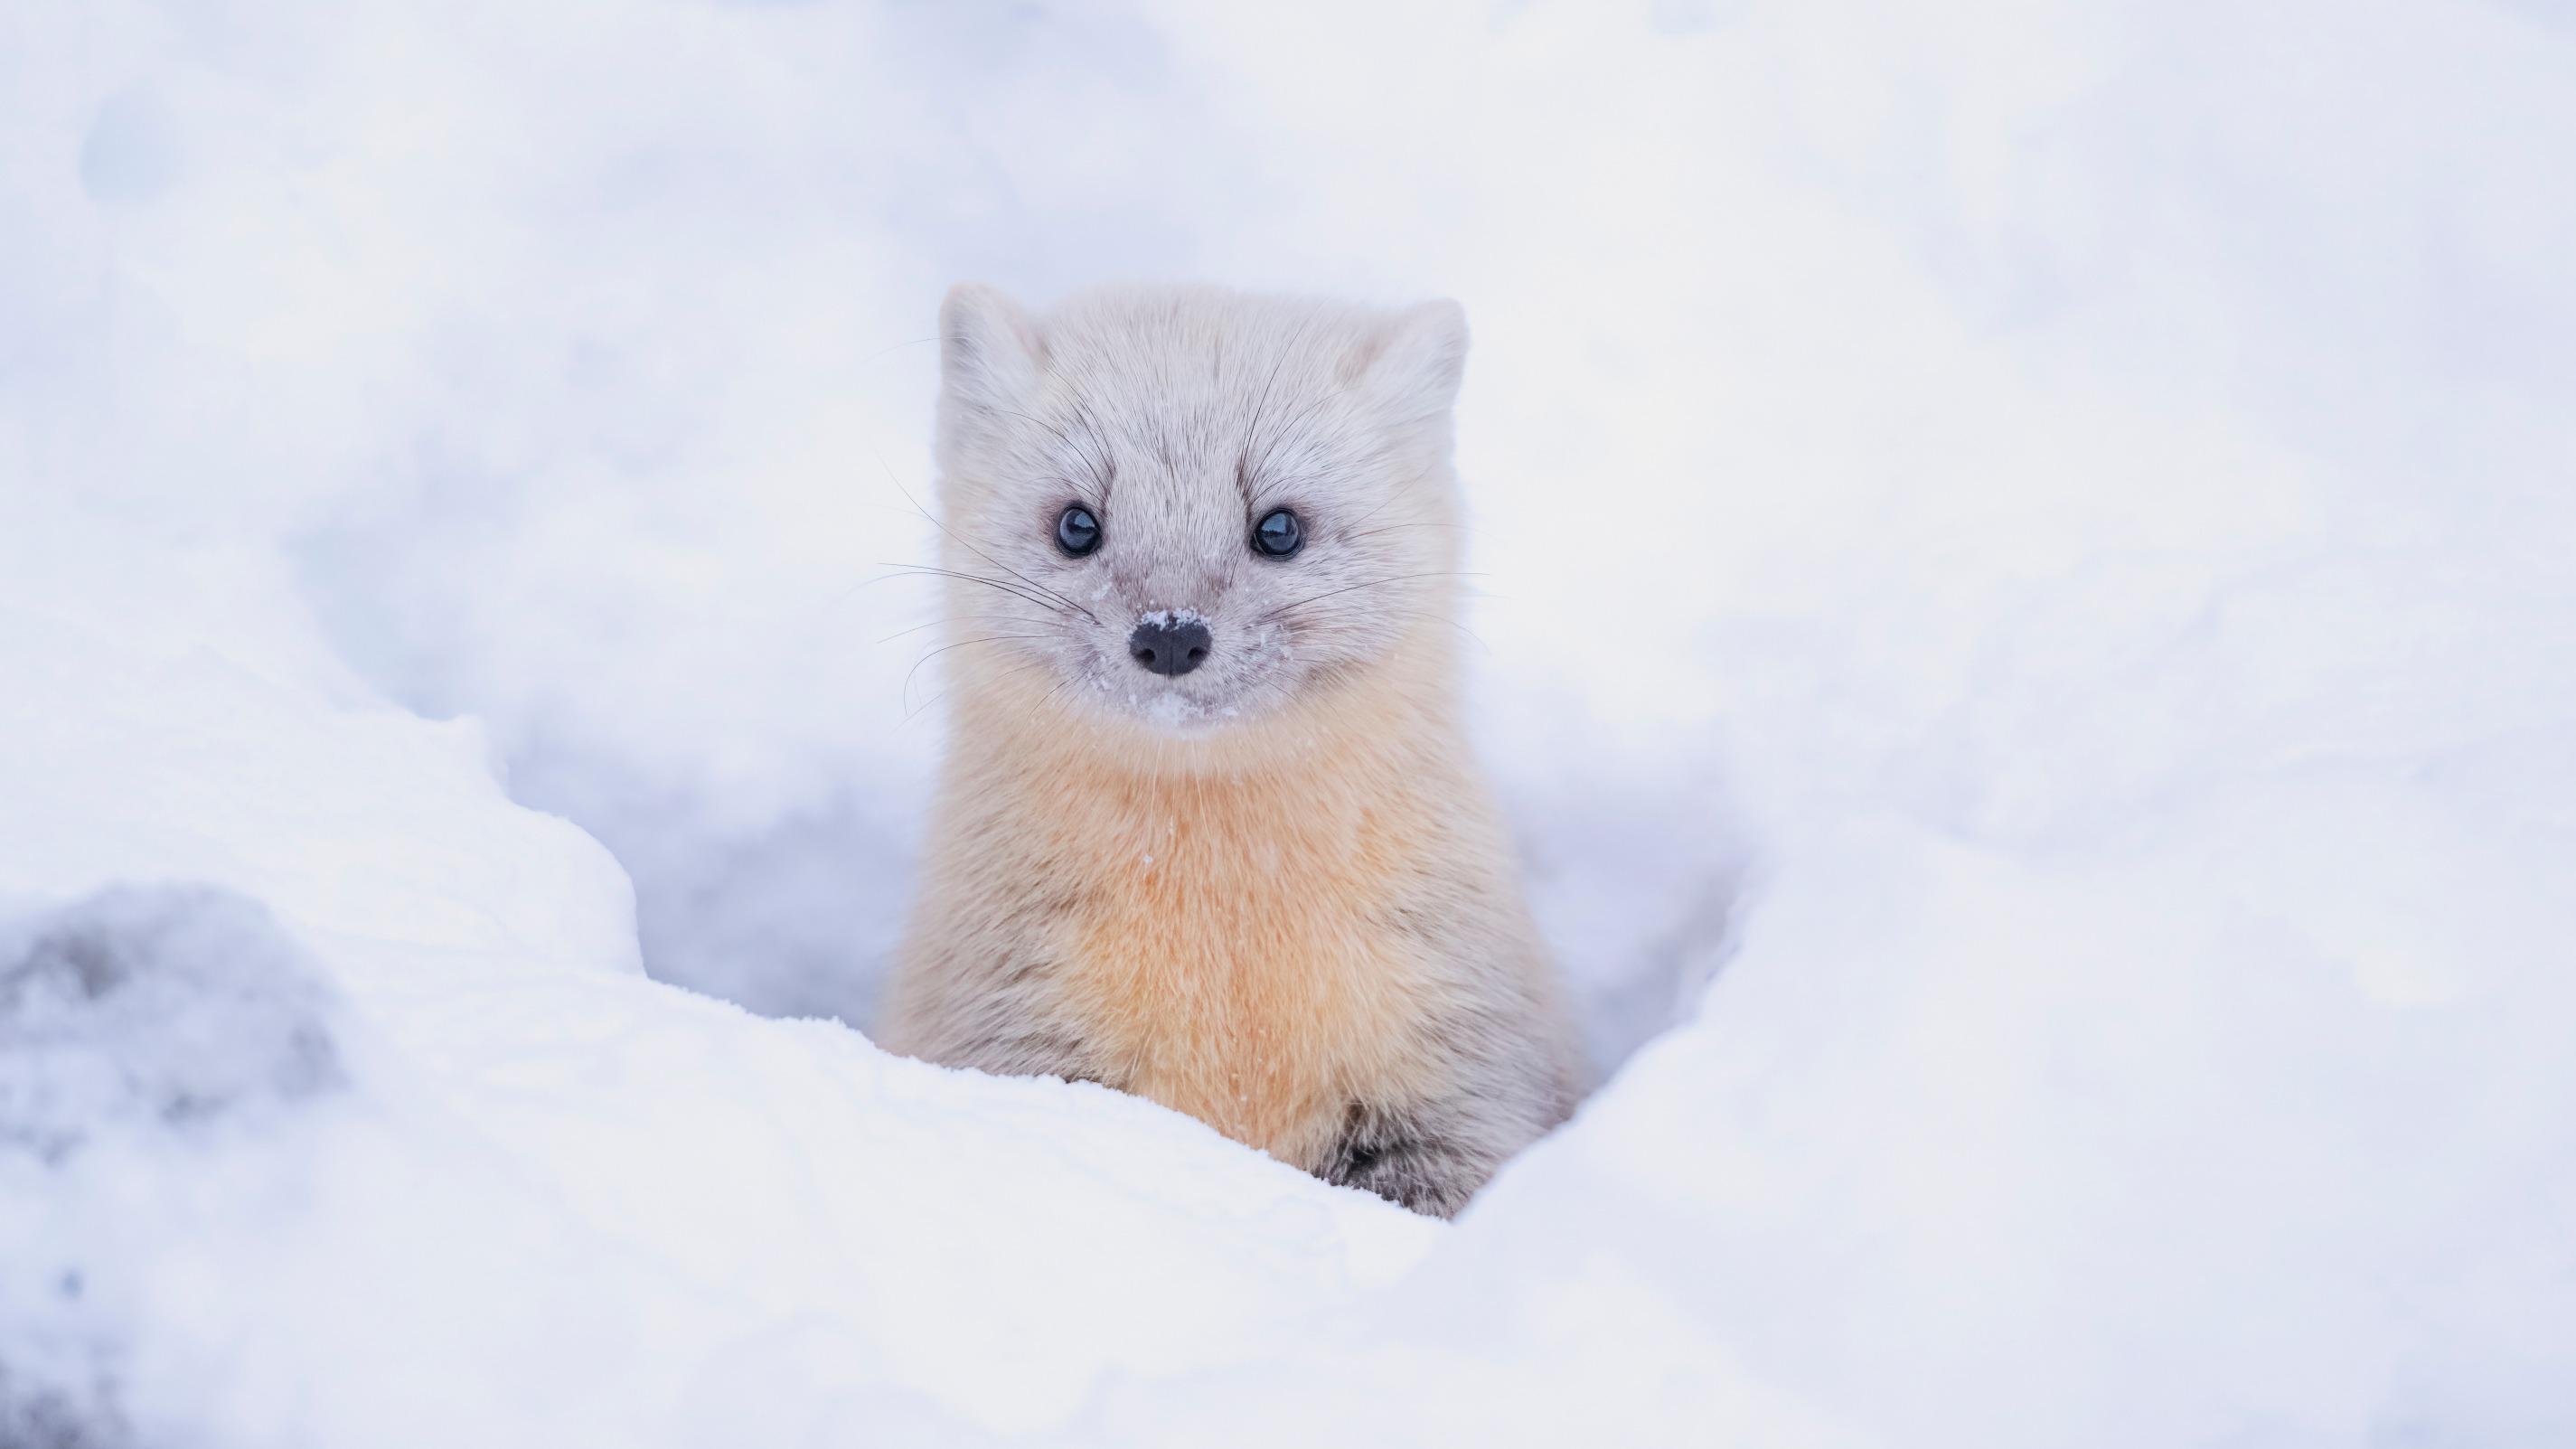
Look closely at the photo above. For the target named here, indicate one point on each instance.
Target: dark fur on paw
(1400, 1159)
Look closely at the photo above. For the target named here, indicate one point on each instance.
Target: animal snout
(1169, 644)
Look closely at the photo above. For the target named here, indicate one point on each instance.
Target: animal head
(1184, 513)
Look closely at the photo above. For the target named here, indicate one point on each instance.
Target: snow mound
(621, 1212)
(174, 1005)
(174, 1013)
(2027, 641)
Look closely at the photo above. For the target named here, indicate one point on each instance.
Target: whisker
(1011, 673)
(906, 691)
(1279, 434)
(1104, 464)
(970, 548)
(1261, 405)
(903, 570)
(1061, 435)
(950, 619)
(1370, 584)
(898, 347)
(1383, 505)
(1361, 535)
(1102, 472)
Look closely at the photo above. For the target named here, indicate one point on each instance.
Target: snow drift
(2026, 636)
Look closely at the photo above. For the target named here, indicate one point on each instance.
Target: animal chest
(1234, 959)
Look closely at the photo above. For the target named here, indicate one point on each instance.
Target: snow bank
(182, 1006)
(556, 1202)
(2027, 642)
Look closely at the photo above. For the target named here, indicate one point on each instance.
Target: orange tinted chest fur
(1232, 958)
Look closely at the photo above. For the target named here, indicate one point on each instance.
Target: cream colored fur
(1272, 893)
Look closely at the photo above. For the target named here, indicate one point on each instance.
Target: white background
(2024, 604)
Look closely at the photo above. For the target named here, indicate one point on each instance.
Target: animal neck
(1378, 730)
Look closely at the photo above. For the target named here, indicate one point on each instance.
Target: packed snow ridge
(2061, 840)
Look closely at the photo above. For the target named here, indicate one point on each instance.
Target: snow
(180, 1005)
(2024, 630)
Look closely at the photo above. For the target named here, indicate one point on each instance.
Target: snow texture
(2024, 629)
(172, 1006)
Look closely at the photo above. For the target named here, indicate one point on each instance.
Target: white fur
(1271, 891)
(1180, 417)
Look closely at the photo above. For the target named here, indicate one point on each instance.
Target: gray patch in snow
(154, 1008)
(49, 1416)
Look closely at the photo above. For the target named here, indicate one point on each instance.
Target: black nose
(1167, 645)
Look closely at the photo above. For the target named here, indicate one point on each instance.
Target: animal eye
(1279, 534)
(1076, 531)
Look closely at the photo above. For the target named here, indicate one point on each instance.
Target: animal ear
(990, 352)
(1415, 360)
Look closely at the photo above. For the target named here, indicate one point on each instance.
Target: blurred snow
(180, 1006)
(2025, 606)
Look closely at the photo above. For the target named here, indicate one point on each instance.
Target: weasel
(1207, 829)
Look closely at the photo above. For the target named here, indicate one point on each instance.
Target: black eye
(1076, 531)
(1279, 534)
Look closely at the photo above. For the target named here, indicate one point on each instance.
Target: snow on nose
(1169, 642)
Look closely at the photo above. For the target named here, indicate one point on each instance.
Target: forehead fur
(1201, 382)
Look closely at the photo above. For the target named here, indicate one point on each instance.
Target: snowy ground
(2029, 641)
